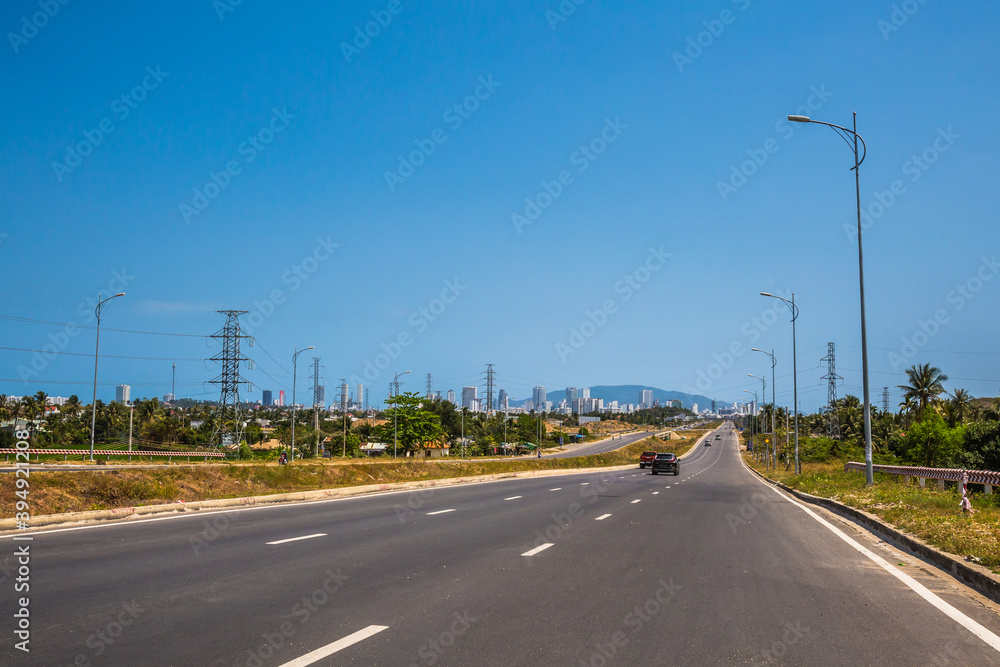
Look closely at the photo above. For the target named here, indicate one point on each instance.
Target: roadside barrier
(987, 478)
(65, 453)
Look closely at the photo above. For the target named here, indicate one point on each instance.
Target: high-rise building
(123, 393)
(468, 395)
(584, 392)
(646, 400)
(168, 398)
(538, 397)
(359, 397)
(571, 396)
(281, 398)
(503, 400)
(675, 404)
(713, 406)
(451, 397)
(321, 391)
(267, 398)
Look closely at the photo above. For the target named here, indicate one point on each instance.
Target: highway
(711, 567)
(600, 446)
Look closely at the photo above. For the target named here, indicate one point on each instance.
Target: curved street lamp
(295, 361)
(97, 346)
(851, 137)
(795, 372)
(395, 413)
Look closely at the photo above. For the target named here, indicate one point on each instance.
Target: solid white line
(969, 624)
(637, 500)
(439, 512)
(513, 498)
(656, 493)
(339, 645)
(296, 539)
(538, 549)
(558, 488)
(602, 517)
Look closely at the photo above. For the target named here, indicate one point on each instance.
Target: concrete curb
(977, 577)
(9, 525)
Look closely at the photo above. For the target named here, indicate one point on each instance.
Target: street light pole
(763, 394)
(295, 368)
(97, 347)
(795, 373)
(853, 143)
(774, 407)
(395, 413)
(751, 416)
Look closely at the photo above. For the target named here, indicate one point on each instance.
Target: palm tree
(961, 403)
(924, 386)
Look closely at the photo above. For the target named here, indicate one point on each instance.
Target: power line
(105, 356)
(29, 320)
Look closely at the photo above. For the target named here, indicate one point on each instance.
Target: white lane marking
(513, 498)
(584, 483)
(656, 493)
(339, 645)
(439, 512)
(296, 539)
(992, 640)
(538, 549)
(637, 500)
(602, 517)
(558, 488)
(667, 486)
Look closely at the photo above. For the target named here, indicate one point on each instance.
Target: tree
(410, 426)
(982, 446)
(961, 405)
(925, 384)
(931, 443)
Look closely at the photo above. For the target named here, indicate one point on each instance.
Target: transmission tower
(343, 396)
(228, 423)
(430, 393)
(832, 421)
(489, 389)
(317, 399)
(885, 399)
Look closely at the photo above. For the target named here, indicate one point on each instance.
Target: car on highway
(646, 459)
(666, 462)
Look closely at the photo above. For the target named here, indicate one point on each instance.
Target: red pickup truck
(646, 459)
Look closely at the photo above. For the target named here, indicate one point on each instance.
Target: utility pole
(228, 422)
(489, 389)
(317, 401)
(343, 410)
(832, 420)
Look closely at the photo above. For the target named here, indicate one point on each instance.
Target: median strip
(296, 539)
(339, 645)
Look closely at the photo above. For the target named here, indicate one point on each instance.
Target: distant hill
(627, 393)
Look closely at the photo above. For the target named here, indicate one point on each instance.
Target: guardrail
(988, 478)
(65, 453)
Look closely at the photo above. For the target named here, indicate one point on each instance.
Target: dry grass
(115, 487)
(928, 513)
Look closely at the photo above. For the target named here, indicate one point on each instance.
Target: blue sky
(242, 157)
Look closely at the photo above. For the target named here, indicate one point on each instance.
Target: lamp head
(799, 119)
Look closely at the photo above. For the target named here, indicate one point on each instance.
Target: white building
(123, 393)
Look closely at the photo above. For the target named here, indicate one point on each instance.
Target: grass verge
(928, 513)
(116, 487)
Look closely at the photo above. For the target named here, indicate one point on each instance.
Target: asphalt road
(600, 446)
(710, 567)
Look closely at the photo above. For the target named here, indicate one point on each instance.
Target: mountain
(628, 393)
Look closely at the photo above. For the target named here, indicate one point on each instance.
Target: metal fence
(988, 478)
(65, 453)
